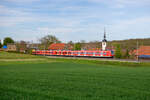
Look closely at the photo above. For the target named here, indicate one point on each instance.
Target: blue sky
(74, 19)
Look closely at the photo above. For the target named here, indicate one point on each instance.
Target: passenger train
(79, 53)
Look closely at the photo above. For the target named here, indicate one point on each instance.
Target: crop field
(64, 79)
(6, 55)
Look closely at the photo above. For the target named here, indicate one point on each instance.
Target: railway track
(96, 58)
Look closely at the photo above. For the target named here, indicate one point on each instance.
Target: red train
(84, 53)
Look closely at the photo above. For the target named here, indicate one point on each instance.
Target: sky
(74, 20)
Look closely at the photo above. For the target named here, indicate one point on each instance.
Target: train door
(93, 53)
(101, 53)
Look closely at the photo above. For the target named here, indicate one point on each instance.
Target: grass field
(62, 79)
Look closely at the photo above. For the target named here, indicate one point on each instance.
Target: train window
(112, 52)
(105, 53)
(75, 52)
(89, 53)
(82, 53)
(97, 53)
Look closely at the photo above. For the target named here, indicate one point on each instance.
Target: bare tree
(48, 39)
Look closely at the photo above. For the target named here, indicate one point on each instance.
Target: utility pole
(137, 52)
(44, 48)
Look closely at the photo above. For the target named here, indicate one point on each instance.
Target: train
(77, 53)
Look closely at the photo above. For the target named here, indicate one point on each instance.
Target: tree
(21, 46)
(49, 39)
(77, 46)
(118, 51)
(8, 40)
(70, 42)
(127, 53)
(69, 46)
(0, 44)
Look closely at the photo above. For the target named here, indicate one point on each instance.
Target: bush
(118, 51)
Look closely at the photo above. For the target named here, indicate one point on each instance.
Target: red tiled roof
(57, 46)
(143, 50)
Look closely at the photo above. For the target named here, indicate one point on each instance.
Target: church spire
(104, 33)
(104, 40)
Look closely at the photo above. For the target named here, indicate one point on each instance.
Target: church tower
(104, 41)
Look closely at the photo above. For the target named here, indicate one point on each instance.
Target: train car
(79, 53)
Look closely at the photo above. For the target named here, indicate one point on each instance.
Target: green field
(62, 79)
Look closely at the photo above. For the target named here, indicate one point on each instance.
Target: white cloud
(132, 28)
(22, 1)
(11, 11)
(13, 16)
(122, 3)
(11, 21)
(61, 30)
(145, 2)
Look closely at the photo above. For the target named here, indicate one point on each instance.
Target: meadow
(70, 79)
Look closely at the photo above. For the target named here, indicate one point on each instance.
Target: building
(11, 47)
(60, 46)
(142, 52)
(34, 46)
(57, 46)
(104, 41)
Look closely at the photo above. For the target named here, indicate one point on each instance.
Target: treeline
(122, 48)
(130, 44)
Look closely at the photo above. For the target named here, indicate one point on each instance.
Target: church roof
(104, 40)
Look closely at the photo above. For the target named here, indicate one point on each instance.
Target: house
(60, 46)
(57, 46)
(11, 47)
(34, 46)
(142, 52)
(1, 49)
(21, 46)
